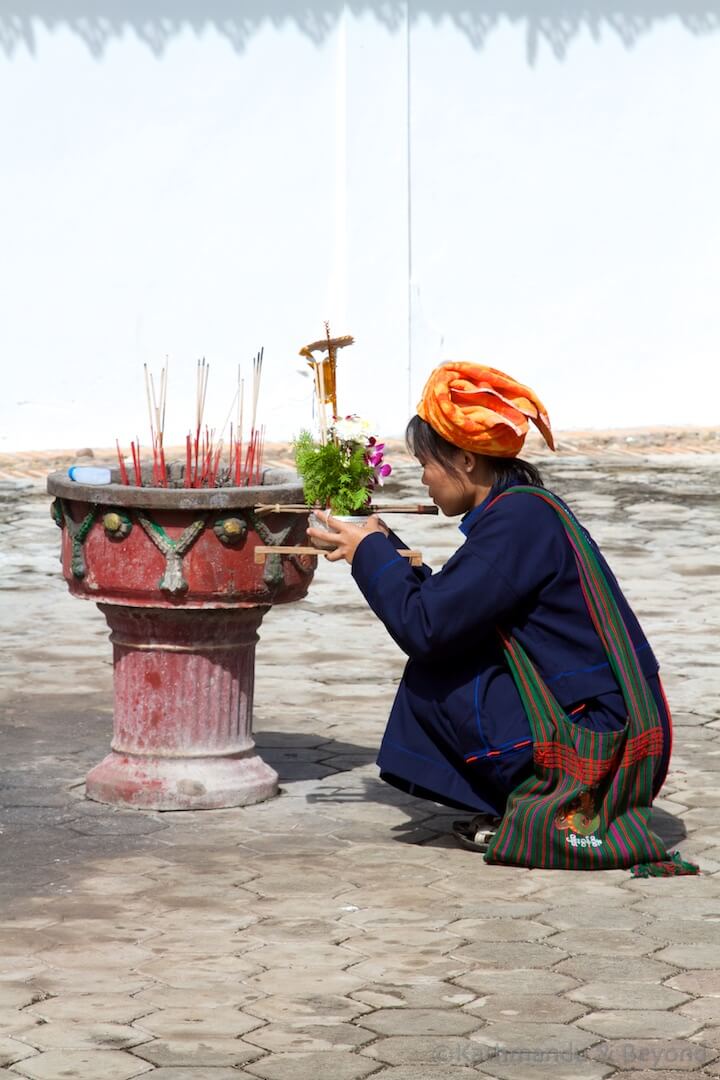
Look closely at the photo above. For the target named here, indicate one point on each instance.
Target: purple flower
(374, 455)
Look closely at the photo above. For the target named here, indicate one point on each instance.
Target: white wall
(182, 204)
(550, 213)
(565, 222)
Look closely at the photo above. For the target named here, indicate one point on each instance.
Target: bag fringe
(672, 867)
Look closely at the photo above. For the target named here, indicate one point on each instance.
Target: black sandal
(476, 834)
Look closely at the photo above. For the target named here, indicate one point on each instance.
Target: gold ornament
(116, 525)
(230, 530)
(112, 522)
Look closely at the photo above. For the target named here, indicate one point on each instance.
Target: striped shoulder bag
(587, 806)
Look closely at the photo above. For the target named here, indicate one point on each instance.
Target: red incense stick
(153, 438)
(123, 470)
(197, 451)
(163, 466)
(249, 456)
(212, 480)
(230, 453)
(135, 451)
(261, 451)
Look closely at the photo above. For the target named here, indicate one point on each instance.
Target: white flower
(352, 429)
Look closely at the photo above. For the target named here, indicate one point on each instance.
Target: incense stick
(123, 470)
(238, 450)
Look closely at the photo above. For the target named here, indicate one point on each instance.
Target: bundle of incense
(203, 454)
(203, 371)
(156, 409)
(253, 461)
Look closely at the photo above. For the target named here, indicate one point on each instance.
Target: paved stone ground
(336, 932)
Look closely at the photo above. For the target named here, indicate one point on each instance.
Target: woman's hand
(345, 536)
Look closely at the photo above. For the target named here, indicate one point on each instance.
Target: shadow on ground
(49, 830)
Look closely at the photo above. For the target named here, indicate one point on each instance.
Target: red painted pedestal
(173, 572)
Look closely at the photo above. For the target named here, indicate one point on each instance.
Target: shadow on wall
(156, 22)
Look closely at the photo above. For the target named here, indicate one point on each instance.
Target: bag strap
(604, 612)
(541, 708)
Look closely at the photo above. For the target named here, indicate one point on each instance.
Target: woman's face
(450, 491)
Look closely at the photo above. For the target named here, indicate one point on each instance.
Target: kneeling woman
(517, 681)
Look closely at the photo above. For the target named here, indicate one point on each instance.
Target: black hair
(424, 443)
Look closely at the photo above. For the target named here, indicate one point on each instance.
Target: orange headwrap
(481, 410)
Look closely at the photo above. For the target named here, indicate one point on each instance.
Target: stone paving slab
(539, 1066)
(653, 1053)
(83, 1064)
(336, 932)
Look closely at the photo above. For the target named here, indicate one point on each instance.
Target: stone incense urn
(174, 573)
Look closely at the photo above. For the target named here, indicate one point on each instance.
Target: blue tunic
(457, 732)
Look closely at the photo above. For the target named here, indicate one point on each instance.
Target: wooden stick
(332, 368)
(418, 508)
(261, 553)
(323, 414)
(297, 508)
(318, 398)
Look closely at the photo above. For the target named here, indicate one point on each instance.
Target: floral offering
(343, 471)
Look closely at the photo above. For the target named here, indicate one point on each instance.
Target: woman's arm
(347, 538)
(439, 615)
(514, 549)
